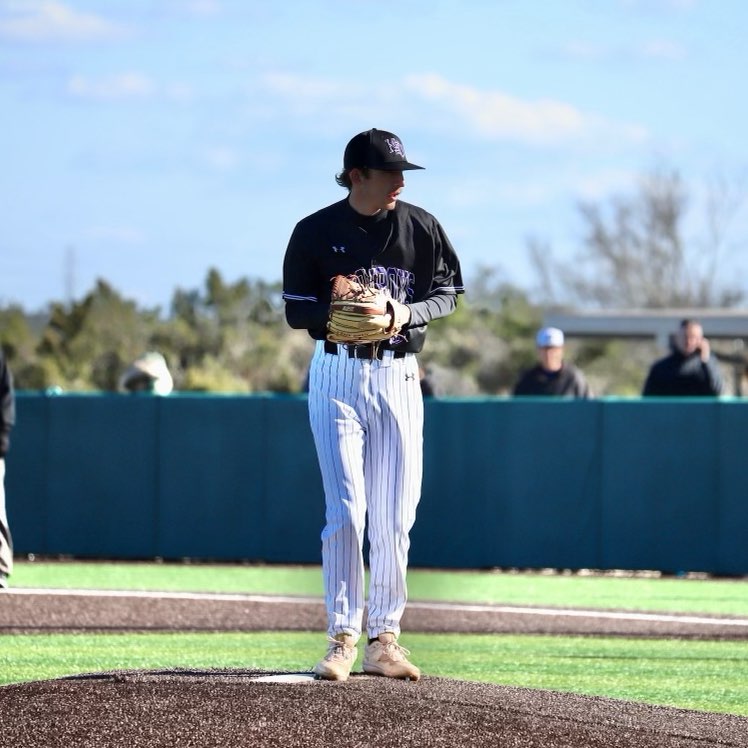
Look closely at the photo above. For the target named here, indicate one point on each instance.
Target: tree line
(231, 336)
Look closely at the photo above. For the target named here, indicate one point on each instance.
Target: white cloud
(221, 158)
(495, 115)
(653, 49)
(667, 5)
(179, 92)
(204, 7)
(663, 49)
(322, 102)
(198, 8)
(306, 91)
(583, 50)
(49, 20)
(600, 185)
(533, 191)
(126, 86)
(482, 113)
(122, 86)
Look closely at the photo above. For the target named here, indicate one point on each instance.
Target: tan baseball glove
(360, 313)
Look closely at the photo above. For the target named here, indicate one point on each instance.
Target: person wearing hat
(149, 374)
(552, 376)
(365, 401)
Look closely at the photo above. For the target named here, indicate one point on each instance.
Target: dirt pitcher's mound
(207, 708)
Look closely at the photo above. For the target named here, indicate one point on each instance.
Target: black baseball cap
(376, 149)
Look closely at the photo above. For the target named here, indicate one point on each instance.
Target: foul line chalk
(452, 607)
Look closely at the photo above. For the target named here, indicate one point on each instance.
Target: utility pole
(69, 275)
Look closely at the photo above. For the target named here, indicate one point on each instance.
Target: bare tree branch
(633, 253)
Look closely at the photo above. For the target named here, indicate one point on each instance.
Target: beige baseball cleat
(384, 656)
(337, 663)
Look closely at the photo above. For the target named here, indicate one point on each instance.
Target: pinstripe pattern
(6, 542)
(367, 422)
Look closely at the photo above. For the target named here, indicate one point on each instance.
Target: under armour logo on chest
(409, 377)
(338, 249)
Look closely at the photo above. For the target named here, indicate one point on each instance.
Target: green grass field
(674, 595)
(704, 675)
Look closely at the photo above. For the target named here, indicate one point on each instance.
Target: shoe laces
(337, 650)
(395, 651)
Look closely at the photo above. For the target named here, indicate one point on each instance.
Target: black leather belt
(362, 350)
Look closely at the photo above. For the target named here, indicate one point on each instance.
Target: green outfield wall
(531, 483)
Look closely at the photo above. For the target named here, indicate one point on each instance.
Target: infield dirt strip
(205, 708)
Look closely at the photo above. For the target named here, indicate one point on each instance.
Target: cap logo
(395, 146)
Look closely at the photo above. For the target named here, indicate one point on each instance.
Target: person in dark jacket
(552, 376)
(7, 420)
(691, 370)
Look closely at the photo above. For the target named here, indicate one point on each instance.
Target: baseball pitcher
(365, 276)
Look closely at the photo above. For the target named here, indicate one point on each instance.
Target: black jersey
(404, 250)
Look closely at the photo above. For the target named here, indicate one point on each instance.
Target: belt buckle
(364, 350)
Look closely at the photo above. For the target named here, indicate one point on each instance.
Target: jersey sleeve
(446, 284)
(448, 274)
(307, 303)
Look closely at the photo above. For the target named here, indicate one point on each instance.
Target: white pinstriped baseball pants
(367, 422)
(6, 543)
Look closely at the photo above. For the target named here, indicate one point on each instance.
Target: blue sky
(144, 141)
